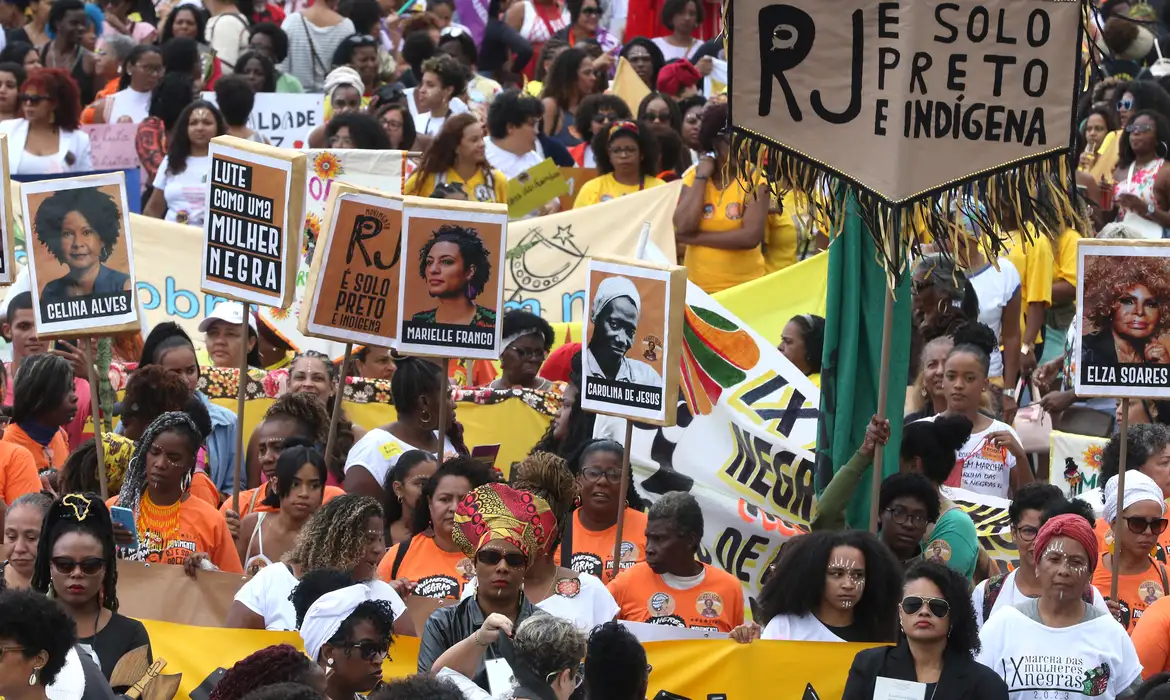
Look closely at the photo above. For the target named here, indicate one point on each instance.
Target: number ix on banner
(774, 403)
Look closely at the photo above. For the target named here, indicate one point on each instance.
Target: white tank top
(128, 105)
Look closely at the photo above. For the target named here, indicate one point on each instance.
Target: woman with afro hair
(456, 266)
(280, 663)
(81, 227)
(37, 637)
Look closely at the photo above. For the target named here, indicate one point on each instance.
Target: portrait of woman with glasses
(935, 644)
(1057, 645)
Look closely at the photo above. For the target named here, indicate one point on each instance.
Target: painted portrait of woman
(456, 267)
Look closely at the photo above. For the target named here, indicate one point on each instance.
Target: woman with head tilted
(37, 637)
(346, 535)
(405, 483)
(80, 228)
(313, 373)
(295, 491)
(44, 402)
(76, 565)
(456, 266)
(419, 391)
(459, 155)
(22, 532)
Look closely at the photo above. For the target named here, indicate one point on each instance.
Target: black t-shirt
(850, 633)
(120, 635)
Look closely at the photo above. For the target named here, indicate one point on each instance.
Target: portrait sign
(7, 227)
(353, 282)
(252, 234)
(630, 364)
(452, 298)
(906, 97)
(81, 267)
(1123, 319)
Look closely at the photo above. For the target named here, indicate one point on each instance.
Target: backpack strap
(403, 546)
(991, 593)
(567, 545)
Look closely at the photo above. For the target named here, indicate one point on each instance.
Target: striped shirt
(310, 49)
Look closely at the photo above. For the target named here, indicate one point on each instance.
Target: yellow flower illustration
(279, 314)
(1092, 456)
(312, 231)
(327, 165)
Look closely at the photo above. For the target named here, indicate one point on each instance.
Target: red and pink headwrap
(499, 512)
(1072, 526)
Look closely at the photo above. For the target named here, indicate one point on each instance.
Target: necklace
(158, 524)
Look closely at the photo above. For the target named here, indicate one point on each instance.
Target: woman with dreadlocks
(314, 373)
(280, 663)
(76, 566)
(346, 535)
(172, 527)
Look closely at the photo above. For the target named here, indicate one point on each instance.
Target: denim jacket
(221, 445)
(448, 626)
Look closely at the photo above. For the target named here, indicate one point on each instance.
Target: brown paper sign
(163, 592)
(575, 177)
(907, 97)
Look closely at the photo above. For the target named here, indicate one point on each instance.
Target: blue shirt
(221, 445)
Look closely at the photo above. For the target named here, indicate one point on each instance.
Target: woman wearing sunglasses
(501, 529)
(1143, 192)
(1148, 452)
(937, 640)
(48, 140)
(1142, 578)
(76, 566)
(1058, 645)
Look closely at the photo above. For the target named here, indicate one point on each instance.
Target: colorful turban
(500, 512)
(1071, 526)
(678, 75)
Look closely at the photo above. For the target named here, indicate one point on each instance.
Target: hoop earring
(427, 419)
(1165, 148)
(186, 482)
(942, 306)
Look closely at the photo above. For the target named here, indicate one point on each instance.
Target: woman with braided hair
(172, 527)
(76, 565)
(280, 663)
(345, 535)
(314, 373)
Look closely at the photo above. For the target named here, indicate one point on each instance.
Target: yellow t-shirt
(715, 269)
(781, 238)
(1036, 264)
(1066, 257)
(477, 187)
(604, 188)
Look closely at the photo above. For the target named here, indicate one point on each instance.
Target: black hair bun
(952, 431)
(978, 335)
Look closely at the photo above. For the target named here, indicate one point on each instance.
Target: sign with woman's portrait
(633, 339)
(82, 264)
(8, 267)
(1123, 304)
(452, 298)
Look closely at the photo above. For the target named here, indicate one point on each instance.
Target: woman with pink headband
(1057, 645)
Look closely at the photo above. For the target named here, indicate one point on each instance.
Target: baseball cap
(229, 312)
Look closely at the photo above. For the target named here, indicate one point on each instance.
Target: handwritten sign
(113, 145)
(286, 119)
(574, 178)
(534, 188)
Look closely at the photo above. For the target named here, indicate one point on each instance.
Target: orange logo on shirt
(709, 605)
(661, 605)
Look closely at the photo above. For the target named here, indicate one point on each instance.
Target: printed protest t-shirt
(953, 541)
(434, 573)
(981, 466)
(716, 603)
(477, 187)
(1093, 659)
(592, 548)
(1135, 592)
(201, 529)
(1010, 595)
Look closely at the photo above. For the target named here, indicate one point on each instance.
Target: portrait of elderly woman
(1125, 310)
(456, 268)
(80, 228)
(614, 314)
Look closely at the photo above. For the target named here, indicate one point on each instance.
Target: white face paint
(1055, 554)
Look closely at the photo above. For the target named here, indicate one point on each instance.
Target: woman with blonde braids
(347, 535)
(172, 527)
(1123, 311)
(580, 598)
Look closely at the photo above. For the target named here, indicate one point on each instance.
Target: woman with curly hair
(280, 663)
(81, 227)
(1123, 311)
(346, 534)
(935, 647)
(456, 266)
(570, 81)
(37, 636)
(458, 155)
(177, 194)
(1096, 657)
(47, 140)
(627, 157)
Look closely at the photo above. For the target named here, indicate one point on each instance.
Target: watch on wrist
(1010, 393)
(1026, 349)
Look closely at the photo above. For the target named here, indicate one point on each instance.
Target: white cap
(229, 312)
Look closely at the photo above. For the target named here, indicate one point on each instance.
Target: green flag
(851, 364)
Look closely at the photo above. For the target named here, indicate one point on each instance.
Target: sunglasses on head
(1139, 525)
(90, 566)
(369, 651)
(492, 557)
(938, 607)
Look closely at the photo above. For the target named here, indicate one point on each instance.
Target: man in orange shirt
(672, 587)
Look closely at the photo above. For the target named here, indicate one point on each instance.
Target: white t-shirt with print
(586, 605)
(266, 594)
(186, 192)
(798, 628)
(1011, 595)
(379, 451)
(995, 288)
(1093, 659)
(985, 468)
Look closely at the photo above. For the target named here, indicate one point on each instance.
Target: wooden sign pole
(338, 393)
(625, 489)
(883, 394)
(445, 393)
(95, 411)
(1124, 437)
(241, 391)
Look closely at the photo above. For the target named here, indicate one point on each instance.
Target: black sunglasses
(1139, 525)
(491, 557)
(33, 99)
(89, 566)
(938, 607)
(369, 651)
(590, 11)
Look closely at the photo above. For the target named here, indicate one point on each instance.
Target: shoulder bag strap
(402, 547)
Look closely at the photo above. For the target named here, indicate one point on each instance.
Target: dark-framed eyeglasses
(1138, 525)
(938, 607)
(529, 353)
(904, 517)
(613, 476)
(492, 557)
(1027, 533)
(90, 566)
(369, 651)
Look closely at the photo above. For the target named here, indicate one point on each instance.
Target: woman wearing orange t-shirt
(1148, 449)
(1141, 579)
(44, 401)
(430, 564)
(172, 527)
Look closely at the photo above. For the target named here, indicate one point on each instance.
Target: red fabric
(676, 76)
(578, 153)
(557, 364)
(644, 19)
(1068, 525)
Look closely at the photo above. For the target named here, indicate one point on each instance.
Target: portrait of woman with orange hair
(1126, 311)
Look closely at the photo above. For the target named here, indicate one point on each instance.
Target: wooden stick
(446, 396)
(883, 394)
(240, 393)
(339, 392)
(625, 488)
(1124, 437)
(95, 411)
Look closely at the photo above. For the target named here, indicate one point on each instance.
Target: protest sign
(8, 267)
(285, 119)
(113, 146)
(534, 188)
(1123, 343)
(252, 234)
(574, 178)
(353, 282)
(81, 268)
(631, 359)
(451, 294)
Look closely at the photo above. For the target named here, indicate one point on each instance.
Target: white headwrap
(341, 77)
(325, 616)
(1138, 488)
(611, 288)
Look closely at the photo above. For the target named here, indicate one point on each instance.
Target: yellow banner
(692, 669)
(766, 304)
